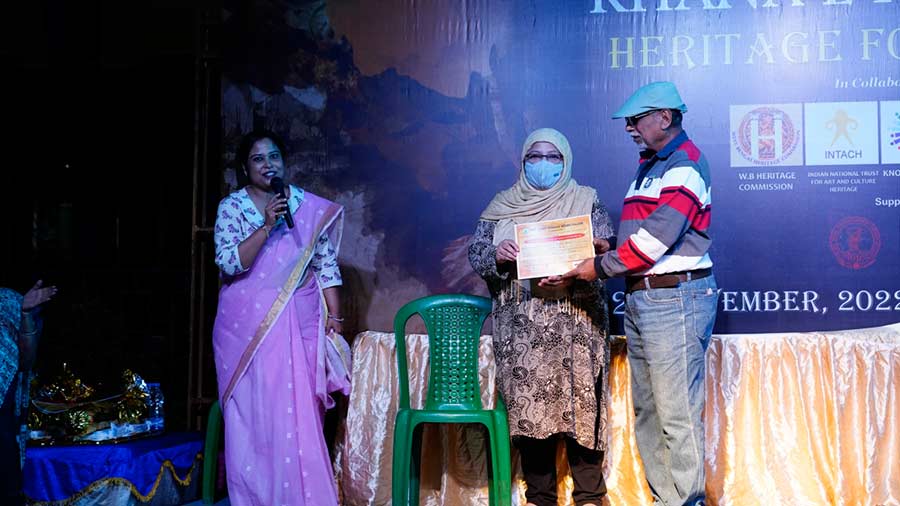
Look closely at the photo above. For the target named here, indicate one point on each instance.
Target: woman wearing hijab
(19, 332)
(550, 345)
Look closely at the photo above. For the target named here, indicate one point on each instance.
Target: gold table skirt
(804, 419)
(792, 419)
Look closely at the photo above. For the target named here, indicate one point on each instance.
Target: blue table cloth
(54, 473)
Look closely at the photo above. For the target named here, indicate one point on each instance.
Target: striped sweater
(666, 215)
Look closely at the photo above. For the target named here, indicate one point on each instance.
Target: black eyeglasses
(555, 158)
(633, 120)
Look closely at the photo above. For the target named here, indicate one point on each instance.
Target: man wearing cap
(671, 293)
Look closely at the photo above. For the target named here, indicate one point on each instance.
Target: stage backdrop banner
(411, 113)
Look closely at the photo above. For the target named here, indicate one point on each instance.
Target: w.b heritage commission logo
(855, 242)
(765, 135)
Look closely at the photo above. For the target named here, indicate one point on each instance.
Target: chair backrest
(454, 324)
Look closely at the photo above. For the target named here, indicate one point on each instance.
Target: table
(454, 472)
(160, 470)
(804, 418)
(793, 418)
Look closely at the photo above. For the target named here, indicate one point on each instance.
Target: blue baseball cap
(650, 97)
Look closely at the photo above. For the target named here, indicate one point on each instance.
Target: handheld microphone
(277, 185)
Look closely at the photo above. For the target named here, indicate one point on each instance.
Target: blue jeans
(668, 330)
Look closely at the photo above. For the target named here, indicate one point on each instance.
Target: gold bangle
(266, 230)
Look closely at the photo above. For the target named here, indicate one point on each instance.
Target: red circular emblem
(766, 136)
(855, 242)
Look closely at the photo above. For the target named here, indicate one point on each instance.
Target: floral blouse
(238, 217)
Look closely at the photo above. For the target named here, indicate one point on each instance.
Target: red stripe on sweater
(702, 220)
(642, 199)
(633, 258)
(681, 199)
(692, 152)
(638, 209)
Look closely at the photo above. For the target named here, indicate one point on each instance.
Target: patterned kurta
(238, 217)
(551, 349)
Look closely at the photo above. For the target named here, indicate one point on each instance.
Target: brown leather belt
(670, 280)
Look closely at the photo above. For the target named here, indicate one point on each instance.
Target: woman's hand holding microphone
(276, 208)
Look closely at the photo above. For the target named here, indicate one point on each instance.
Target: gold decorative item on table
(67, 411)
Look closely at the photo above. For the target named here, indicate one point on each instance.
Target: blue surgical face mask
(543, 174)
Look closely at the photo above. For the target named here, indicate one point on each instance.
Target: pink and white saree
(269, 345)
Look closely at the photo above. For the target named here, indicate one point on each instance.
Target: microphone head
(277, 184)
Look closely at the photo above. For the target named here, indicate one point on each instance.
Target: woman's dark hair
(243, 152)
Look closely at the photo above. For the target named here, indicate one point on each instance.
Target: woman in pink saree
(278, 303)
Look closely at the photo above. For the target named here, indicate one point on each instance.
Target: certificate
(552, 247)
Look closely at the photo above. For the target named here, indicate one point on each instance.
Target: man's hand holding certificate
(553, 247)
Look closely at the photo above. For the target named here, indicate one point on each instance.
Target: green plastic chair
(211, 453)
(454, 396)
